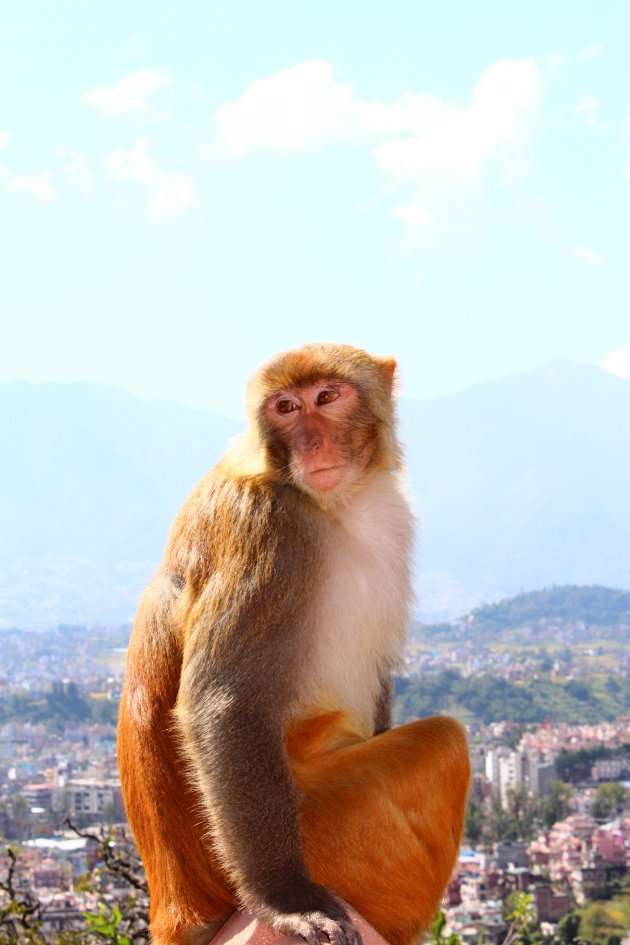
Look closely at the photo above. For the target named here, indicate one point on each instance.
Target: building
(52, 875)
(570, 845)
(588, 882)
(612, 842)
(550, 905)
(91, 797)
(611, 769)
(39, 795)
(511, 776)
(541, 774)
(492, 765)
(473, 920)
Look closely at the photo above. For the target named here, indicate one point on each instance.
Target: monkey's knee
(438, 760)
(439, 739)
(455, 745)
(454, 763)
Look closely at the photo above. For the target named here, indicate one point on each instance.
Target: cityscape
(549, 807)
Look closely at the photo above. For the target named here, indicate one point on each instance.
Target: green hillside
(587, 612)
(599, 606)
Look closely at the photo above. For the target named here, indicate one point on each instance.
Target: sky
(187, 188)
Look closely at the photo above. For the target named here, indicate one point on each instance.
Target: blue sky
(187, 188)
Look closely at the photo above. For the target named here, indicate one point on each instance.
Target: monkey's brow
(327, 381)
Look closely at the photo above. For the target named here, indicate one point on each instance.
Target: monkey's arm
(241, 659)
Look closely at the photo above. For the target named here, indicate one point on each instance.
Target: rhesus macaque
(258, 763)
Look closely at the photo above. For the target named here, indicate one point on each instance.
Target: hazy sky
(186, 188)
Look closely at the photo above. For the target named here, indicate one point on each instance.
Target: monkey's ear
(388, 366)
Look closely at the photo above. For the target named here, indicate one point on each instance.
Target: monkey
(259, 765)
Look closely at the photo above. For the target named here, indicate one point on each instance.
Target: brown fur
(238, 789)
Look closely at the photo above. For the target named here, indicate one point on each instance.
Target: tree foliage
(609, 798)
(23, 915)
(556, 806)
(568, 930)
(62, 703)
(492, 698)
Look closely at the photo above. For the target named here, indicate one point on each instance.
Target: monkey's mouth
(325, 477)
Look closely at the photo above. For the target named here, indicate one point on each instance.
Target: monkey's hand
(315, 914)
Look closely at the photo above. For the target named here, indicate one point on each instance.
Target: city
(549, 806)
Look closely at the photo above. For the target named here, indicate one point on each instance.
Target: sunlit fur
(259, 669)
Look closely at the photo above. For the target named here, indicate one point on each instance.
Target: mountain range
(518, 483)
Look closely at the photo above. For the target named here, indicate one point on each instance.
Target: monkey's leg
(189, 897)
(383, 819)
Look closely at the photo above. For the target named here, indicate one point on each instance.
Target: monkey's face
(320, 435)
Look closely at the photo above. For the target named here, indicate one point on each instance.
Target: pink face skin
(314, 418)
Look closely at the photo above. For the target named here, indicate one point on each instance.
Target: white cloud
(456, 140)
(591, 52)
(618, 362)
(587, 109)
(130, 95)
(432, 146)
(413, 216)
(556, 61)
(74, 168)
(39, 185)
(291, 110)
(307, 106)
(170, 192)
(588, 256)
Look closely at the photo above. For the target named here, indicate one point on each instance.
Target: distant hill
(518, 484)
(592, 606)
(90, 480)
(578, 614)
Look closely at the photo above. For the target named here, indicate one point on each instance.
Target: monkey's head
(324, 415)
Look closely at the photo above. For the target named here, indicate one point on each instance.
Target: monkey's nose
(309, 439)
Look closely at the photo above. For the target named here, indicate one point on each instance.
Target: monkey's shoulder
(228, 520)
(222, 499)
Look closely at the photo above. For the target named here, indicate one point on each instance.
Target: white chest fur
(361, 618)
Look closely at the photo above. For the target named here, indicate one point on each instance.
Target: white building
(510, 775)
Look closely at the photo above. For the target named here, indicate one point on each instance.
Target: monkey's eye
(287, 406)
(326, 396)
